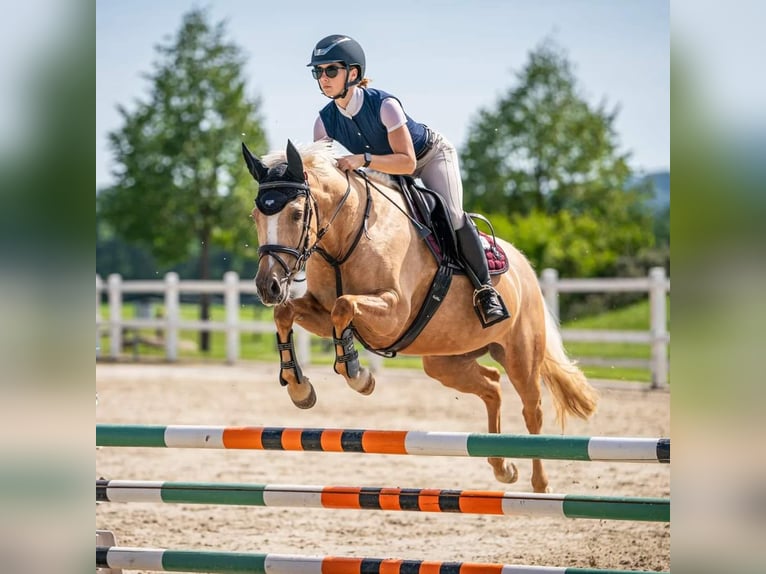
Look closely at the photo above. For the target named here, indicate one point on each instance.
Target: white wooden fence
(656, 284)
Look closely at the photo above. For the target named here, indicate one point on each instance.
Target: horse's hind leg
(524, 372)
(464, 374)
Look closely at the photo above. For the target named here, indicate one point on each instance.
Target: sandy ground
(248, 394)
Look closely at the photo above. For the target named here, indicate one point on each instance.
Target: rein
(332, 261)
(303, 251)
(423, 231)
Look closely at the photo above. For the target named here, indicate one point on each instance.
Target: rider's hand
(350, 162)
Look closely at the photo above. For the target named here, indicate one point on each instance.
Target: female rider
(372, 125)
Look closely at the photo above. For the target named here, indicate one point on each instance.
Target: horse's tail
(572, 394)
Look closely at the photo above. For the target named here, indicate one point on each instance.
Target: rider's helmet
(340, 48)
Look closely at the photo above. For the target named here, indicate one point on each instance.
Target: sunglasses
(331, 71)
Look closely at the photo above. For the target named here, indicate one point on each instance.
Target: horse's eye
(297, 215)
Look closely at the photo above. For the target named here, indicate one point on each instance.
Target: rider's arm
(319, 132)
(402, 161)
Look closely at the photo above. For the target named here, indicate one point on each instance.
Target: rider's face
(332, 86)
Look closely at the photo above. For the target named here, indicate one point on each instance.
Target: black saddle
(428, 208)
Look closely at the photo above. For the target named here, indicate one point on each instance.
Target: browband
(276, 184)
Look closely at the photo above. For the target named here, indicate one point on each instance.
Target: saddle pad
(497, 260)
(496, 257)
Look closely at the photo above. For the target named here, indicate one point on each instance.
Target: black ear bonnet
(274, 195)
(280, 184)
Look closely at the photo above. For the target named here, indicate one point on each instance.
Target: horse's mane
(319, 157)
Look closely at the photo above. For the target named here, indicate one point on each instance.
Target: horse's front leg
(376, 312)
(310, 315)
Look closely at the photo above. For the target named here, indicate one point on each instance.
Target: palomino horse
(370, 280)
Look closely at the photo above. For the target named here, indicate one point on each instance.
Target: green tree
(180, 184)
(545, 158)
(115, 255)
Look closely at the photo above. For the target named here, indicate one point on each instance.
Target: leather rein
(304, 250)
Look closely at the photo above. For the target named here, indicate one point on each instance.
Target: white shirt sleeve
(391, 114)
(320, 133)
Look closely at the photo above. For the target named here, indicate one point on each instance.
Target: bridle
(299, 253)
(305, 249)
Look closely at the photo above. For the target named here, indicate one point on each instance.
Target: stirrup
(477, 306)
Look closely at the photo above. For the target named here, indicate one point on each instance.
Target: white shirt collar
(354, 104)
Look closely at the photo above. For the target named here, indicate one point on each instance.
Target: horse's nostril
(274, 288)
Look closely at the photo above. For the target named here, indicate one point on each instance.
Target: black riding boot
(487, 302)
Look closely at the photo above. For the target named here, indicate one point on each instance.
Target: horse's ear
(294, 162)
(254, 165)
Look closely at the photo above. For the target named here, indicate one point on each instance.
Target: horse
(370, 281)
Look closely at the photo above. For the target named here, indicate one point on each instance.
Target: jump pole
(163, 560)
(378, 498)
(551, 447)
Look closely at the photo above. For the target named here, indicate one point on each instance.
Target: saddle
(428, 209)
(431, 218)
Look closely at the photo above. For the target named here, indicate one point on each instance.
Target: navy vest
(365, 132)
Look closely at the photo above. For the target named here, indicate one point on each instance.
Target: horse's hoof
(364, 383)
(540, 485)
(508, 474)
(302, 395)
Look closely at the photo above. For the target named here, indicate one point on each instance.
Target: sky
(444, 59)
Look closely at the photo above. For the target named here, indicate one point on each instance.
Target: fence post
(374, 361)
(172, 315)
(231, 303)
(549, 279)
(302, 336)
(99, 316)
(658, 328)
(115, 315)
(302, 345)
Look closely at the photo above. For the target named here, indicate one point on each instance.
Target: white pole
(231, 303)
(658, 328)
(99, 317)
(302, 345)
(172, 315)
(549, 279)
(375, 362)
(115, 315)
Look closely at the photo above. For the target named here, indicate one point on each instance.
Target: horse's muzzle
(271, 289)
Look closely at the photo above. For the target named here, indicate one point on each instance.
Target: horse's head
(282, 217)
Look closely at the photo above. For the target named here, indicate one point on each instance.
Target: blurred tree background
(543, 164)
(546, 167)
(181, 192)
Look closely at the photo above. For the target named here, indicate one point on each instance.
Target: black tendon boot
(487, 302)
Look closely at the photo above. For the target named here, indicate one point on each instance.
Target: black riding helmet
(340, 48)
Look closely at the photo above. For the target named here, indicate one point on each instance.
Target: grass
(261, 347)
(631, 318)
